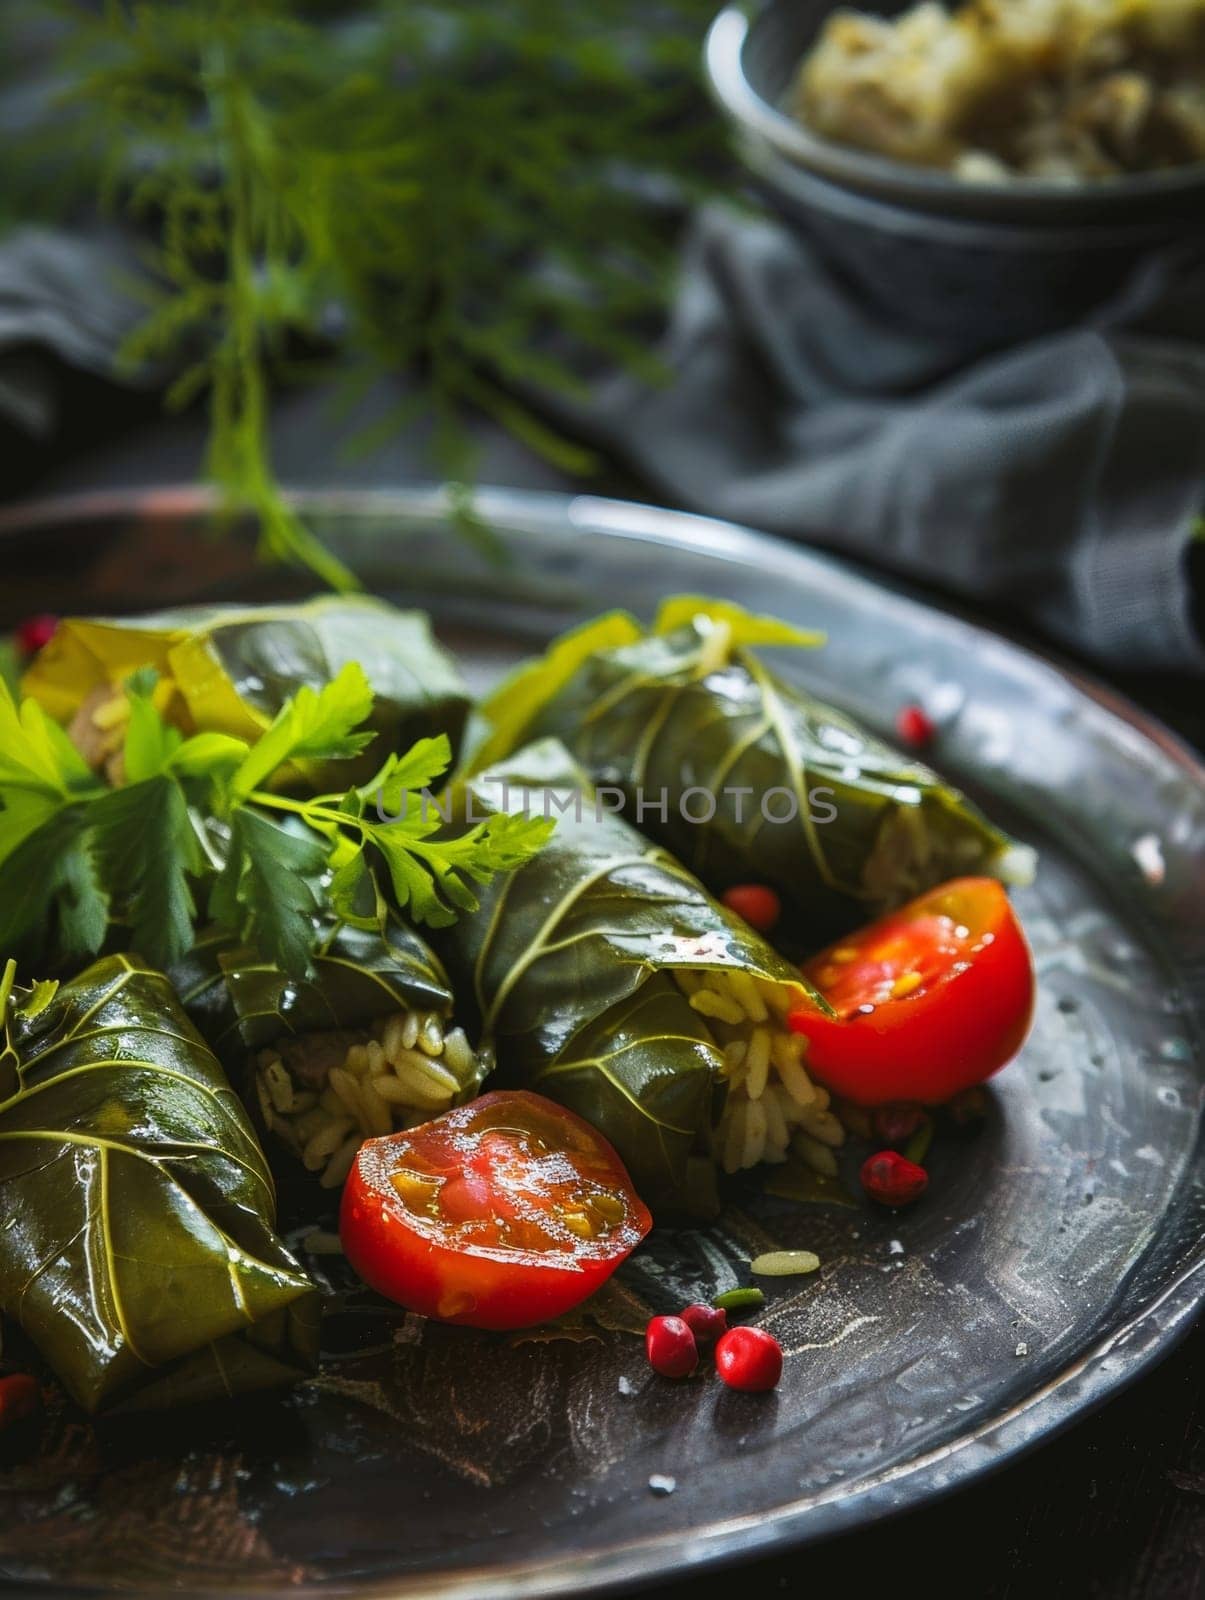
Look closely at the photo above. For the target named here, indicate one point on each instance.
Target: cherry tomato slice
(931, 999)
(499, 1214)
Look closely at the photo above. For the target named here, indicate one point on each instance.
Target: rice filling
(323, 1094)
(773, 1107)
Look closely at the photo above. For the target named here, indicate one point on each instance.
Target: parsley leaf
(265, 893)
(41, 772)
(52, 905)
(209, 755)
(431, 875)
(147, 850)
(36, 756)
(315, 725)
(192, 822)
(423, 765)
(150, 741)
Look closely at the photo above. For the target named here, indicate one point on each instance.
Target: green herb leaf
(53, 907)
(420, 768)
(77, 857)
(209, 755)
(431, 876)
(147, 849)
(40, 770)
(316, 725)
(294, 164)
(150, 742)
(265, 896)
(83, 902)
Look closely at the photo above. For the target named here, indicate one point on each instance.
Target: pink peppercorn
(707, 1323)
(749, 1359)
(20, 1399)
(915, 726)
(892, 1180)
(671, 1348)
(35, 633)
(895, 1124)
(757, 903)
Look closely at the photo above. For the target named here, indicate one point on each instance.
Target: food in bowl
(1066, 91)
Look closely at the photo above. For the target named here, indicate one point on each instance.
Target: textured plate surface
(1058, 1253)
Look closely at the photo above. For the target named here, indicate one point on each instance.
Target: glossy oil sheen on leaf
(686, 707)
(570, 960)
(138, 1251)
(230, 670)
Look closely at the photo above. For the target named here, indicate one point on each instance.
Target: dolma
(138, 1249)
(744, 776)
(608, 979)
(226, 669)
(363, 1048)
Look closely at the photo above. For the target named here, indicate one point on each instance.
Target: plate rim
(1069, 1395)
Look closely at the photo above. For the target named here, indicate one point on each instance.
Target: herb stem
(315, 812)
(917, 1147)
(7, 984)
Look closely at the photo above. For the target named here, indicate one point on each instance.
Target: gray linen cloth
(1062, 480)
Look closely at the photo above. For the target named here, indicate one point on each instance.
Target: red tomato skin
(498, 1289)
(929, 1047)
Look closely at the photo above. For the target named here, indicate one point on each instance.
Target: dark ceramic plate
(1059, 1252)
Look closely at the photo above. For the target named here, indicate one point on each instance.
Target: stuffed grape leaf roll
(746, 777)
(365, 1047)
(227, 669)
(608, 979)
(138, 1250)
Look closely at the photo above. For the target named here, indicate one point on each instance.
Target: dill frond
(467, 181)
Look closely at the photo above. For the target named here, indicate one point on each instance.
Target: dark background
(1116, 1505)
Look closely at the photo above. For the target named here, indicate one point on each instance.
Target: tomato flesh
(929, 1000)
(498, 1214)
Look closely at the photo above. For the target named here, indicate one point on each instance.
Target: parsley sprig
(196, 826)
